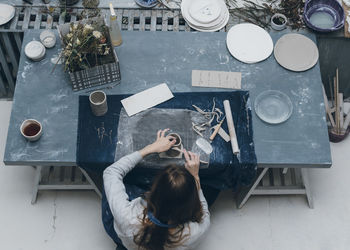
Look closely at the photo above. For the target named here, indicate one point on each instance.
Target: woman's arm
(113, 175)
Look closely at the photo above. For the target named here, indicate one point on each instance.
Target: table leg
(245, 193)
(37, 178)
(305, 178)
(91, 182)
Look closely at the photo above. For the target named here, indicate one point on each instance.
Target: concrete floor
(67, 220)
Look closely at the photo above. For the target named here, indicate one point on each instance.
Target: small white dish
(273, 106)
(249, 43)
(48, 38)
(31, 129)
(35, 50)
(205, 11)
(7, 12)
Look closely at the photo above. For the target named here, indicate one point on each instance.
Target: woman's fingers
(163, 132)
(158, 133)
(187, 157)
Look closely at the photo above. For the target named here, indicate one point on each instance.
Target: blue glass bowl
(146, 3)
(324, 15)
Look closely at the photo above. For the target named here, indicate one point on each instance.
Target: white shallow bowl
(249, 43)
(35, 50)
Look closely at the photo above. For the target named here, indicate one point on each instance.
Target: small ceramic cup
(31, 129)
(98, 103)
(48, 38)
(278, 21)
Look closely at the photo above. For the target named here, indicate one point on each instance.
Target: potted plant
(88, 54)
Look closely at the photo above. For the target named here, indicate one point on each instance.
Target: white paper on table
(216, 79)
(147, 99)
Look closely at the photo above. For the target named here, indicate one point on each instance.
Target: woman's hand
(192, 165)
(162, 144)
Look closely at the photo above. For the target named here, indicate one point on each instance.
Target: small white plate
(217, 24)
(7, 12)
(273, 106)
(249, 43)
(296, 52)
(205, 11)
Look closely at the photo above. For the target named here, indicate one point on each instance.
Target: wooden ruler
(346, 25)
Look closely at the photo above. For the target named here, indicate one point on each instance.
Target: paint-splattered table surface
(150, 58)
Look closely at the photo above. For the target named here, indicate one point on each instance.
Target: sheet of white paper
(216, 79)
(146, 99)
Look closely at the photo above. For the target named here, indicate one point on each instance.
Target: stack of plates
(205, 15)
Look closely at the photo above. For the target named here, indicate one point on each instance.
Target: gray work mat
(138, 131)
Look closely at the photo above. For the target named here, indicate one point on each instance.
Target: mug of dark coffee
(31, 129)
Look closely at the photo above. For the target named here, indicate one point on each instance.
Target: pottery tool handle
(217, 128)
(231, 127)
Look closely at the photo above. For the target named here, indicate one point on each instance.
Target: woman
(174, 214)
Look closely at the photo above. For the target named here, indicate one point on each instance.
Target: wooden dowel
(217, 128)
(325, 99)
(231, 127)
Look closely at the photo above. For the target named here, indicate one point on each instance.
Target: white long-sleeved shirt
(127, 213)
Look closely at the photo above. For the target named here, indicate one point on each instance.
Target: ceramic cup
(98, 103)
(48, 38)
(281, 23)
(176, 150)
(31, 129)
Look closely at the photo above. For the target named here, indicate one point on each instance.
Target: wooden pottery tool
(231, 127)
(217, 128)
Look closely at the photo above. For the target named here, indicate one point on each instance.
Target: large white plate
(218, 24)
(296, 52)
(249, 43)
(273, 106)
(7, 12)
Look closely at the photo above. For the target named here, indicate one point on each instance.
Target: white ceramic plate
(296, 52)
(205, 11)
(218, 24)
(249, 43)
(273, 106)
(7, 12)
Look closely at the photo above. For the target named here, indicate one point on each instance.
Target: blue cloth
(97, 137)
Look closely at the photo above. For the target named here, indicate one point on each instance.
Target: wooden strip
(176, 20)
(154, 20)
(346, 25)
(26, 18)
(142, 20)
(7, 70)
(37, 22)
(3, 91)
(165, 20)
(14, 22)
(131, 20)
(10, 51)
(119, 17)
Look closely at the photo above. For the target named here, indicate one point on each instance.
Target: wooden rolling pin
(231, 127)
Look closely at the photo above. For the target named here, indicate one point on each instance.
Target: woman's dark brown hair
(173, 200)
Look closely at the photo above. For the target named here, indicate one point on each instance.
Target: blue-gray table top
(150, 58)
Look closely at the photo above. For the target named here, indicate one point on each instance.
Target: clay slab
(147, 99)
(249, 43)
(296, 52)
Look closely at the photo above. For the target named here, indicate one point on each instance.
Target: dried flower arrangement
(86, 45)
